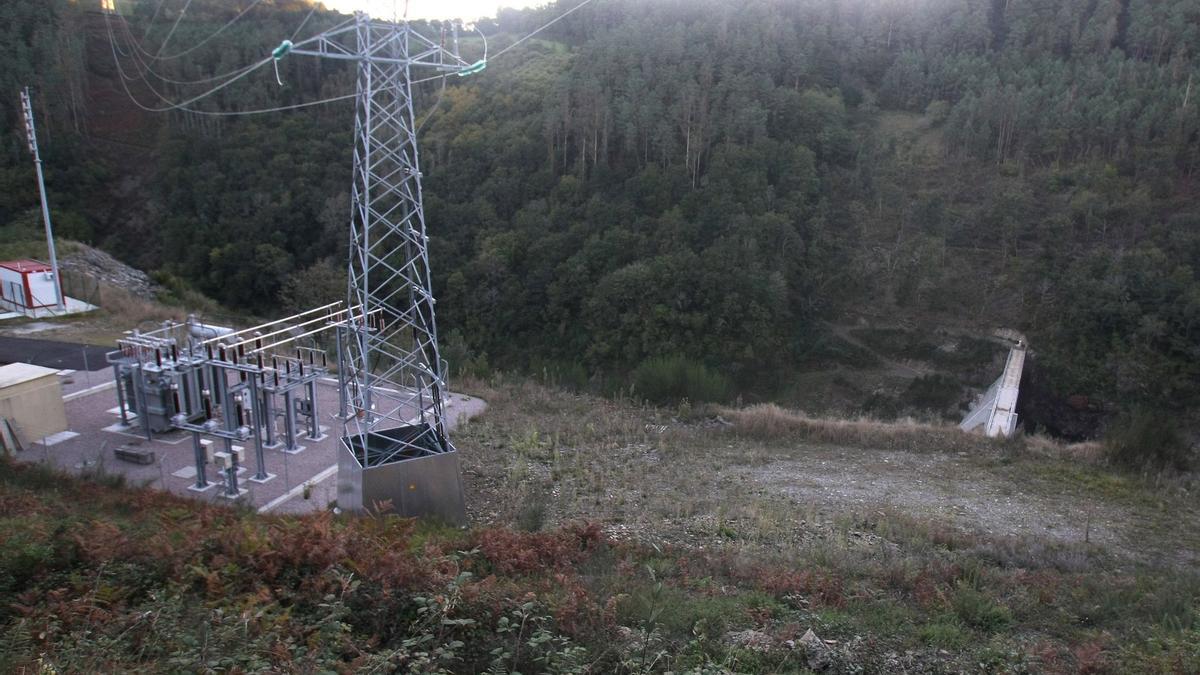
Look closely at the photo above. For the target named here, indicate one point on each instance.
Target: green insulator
(282, 50)
(473, 68)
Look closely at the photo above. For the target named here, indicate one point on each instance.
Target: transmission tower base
(420, 479)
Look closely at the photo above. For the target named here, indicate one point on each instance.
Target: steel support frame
(389, 348)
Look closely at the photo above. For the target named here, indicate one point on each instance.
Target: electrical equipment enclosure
(413, 485)
(31, 397)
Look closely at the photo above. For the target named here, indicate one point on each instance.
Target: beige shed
(31, 400)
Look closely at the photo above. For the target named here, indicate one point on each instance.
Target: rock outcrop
(94, 264)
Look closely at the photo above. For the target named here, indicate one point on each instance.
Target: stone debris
(753, 640)
(815, 651)
(94, 264)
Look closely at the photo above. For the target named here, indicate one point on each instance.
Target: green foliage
(934, 392)
(827, 350)
(534, 645)
(686, 179)
(978, 610)
(319, 284)
(945, 632)
(99, 578)
(1148, 439)
(674, 378)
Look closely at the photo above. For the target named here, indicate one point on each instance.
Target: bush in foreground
(671, 379)
(99, 579)
(1147, 439)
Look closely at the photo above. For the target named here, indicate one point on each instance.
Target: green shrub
(22, 555)
(531, 516)
(829, 350)
(978, 611)
(933, 392)
(1147, 439)
(945, 632)
(671, 379)
(562, 374)
(462, 360)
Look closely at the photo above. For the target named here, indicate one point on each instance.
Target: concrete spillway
(995, 414)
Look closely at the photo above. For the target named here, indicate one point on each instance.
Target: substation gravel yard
(299, 483)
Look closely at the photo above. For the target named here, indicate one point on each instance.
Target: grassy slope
(98, 577)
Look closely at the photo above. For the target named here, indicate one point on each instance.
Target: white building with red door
(27, 284)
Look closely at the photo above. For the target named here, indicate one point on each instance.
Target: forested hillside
(692, 180)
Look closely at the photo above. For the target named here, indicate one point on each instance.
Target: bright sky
(468, 10)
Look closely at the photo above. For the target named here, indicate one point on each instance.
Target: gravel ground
(951, 488)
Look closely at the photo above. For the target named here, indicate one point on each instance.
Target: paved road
(51, 354)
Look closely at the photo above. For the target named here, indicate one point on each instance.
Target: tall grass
(1148, 440)
(671, 379)
(769, 422)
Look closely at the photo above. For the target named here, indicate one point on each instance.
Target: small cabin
(31, 401)
(27, 284)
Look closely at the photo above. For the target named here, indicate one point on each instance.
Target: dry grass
(725, 554)
(1087, 452)
(773, 479)
(771, 423)
(134, 310)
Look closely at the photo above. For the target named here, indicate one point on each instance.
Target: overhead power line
(158, 56)
(173, 27)
(553, 21)
(500, 53)
(302, 23)
(212, 35)
(234, 76)
(182, 105)
(282, 108)
(150, 24)
(243, 72)
(145, 67)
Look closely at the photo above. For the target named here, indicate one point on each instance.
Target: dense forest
(706, 182)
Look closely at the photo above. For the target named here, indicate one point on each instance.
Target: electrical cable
(173, 27)
(282, 108)
(500, 53)
(305, 21)
(212, 35)
(174, 106)
(484, 60)
(184, 105)
(146, 67)
(544, 27)
(157, 9)
(442, 93)
(238, 75)
(432, 110)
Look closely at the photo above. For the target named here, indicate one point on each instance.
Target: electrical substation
(226, 390)
(257, 385)
(223, 390)
(232, 387)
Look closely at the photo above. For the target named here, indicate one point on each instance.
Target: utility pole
(31, 135)
(394, 445)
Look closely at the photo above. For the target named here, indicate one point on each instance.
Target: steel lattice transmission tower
(394, 445)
